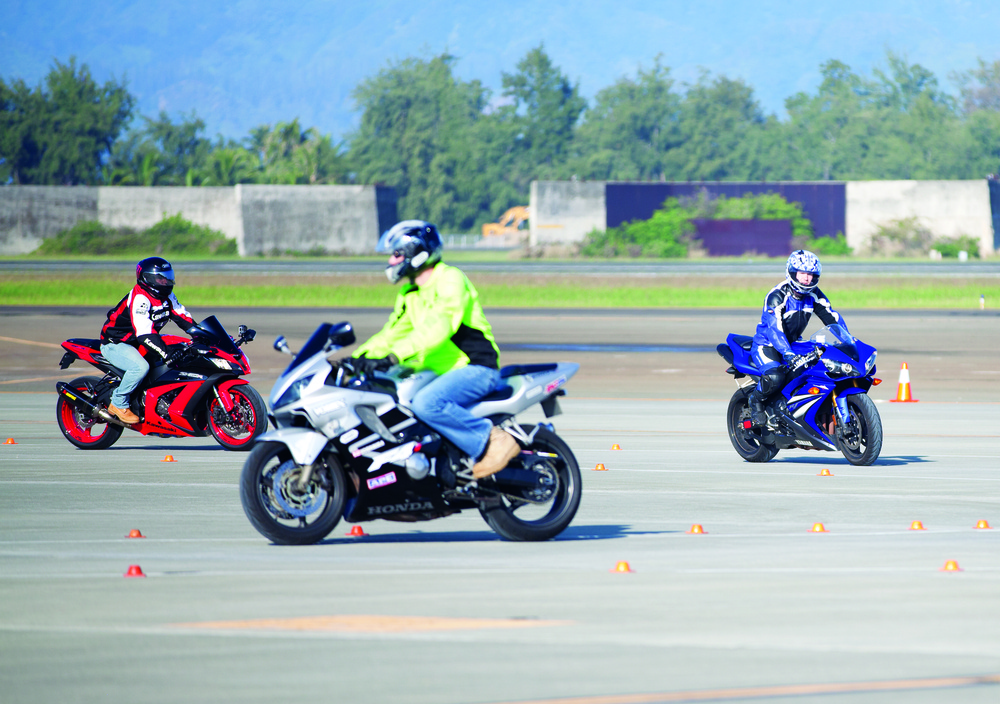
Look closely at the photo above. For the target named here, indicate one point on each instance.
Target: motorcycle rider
(438, 324)
(787, 309)
(135, 323)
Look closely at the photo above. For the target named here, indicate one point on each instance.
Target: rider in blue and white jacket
(787, 309)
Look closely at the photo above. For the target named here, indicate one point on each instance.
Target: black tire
(269, 478)
(863, 446)
(247, 422)
(503, 517)
(747, 442)
(80, 428)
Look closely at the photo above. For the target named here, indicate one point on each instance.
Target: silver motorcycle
(347, 445)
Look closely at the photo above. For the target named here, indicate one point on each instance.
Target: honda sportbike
(348, 446)
(200, 392)
(824, 404)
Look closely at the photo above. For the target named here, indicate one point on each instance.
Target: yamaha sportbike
(824, 404)
(200, 392)
(348, 446)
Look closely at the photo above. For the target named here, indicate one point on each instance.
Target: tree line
(459, 156)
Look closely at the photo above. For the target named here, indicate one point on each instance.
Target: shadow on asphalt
(601, 532)
(882, 461)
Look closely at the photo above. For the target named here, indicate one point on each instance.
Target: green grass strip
(106, 292)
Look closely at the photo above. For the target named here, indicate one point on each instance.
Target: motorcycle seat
(86, 342)
(501, 393)
(744, 341)
(518, 369)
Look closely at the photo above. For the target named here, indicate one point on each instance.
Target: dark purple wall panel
(824, 202)
(732, 238)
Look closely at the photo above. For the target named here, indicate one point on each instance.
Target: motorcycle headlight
(838, 368)
(870, 364)
(294, 392)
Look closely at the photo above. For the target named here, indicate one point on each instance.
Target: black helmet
(156, 276)
(419, 244)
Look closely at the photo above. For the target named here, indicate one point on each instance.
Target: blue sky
(243, 63)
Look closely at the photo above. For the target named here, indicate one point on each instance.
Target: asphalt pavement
(758, 607)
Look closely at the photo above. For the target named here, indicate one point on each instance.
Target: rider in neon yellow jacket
(438, 325)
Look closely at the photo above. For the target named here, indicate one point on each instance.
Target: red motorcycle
(201, 392)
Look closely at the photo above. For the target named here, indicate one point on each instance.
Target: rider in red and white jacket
(135, 323)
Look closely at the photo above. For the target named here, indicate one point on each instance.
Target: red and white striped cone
(903, 395)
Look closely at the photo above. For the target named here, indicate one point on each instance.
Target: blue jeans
(442, 405)
(127, 358)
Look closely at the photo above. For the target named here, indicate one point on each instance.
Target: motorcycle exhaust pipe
(89, 405)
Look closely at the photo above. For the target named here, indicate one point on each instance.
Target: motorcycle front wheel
(861, 440)
(237, 430)
(747, 443)
(81, 429)
(282, 510)
(524, 520)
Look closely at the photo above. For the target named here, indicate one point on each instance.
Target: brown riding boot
(500, 450)
(123, 414)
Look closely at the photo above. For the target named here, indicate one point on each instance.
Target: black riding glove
(367, 366)
(174, 357)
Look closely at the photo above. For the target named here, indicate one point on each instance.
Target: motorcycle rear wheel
(503, 516)
(747, 443)
(81, 429)
(866, 443)
(278, 508)
(238, 430)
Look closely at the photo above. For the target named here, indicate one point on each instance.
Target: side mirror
(281, 344)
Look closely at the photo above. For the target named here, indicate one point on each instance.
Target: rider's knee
(771, 380)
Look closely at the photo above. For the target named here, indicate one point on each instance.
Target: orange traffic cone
(10, 441)
(134, 571)
(951, 566)
(135, 533)
(825, 472)
(616, 446)
(600, 468)
(622, 567)
(983, 525)
(903, 395)
(696, 529)
(917, 525)
(357, 532)
(818, 528)
(168, 458)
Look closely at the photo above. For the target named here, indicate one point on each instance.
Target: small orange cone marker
(951, 566)
(135, 533)
(616, 446)
(357, 532)
(903, 395)
(168, 458)
(984, 525)
(134, 571)
(10, 441)
(600, 468)
(824, 473)
(818, 528)
(917, 525)
(622, 567)
(696, 529)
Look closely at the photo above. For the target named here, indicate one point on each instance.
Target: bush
(669, 233)
(900, 238)
(835, 246)
(949, 247)
(172, 235)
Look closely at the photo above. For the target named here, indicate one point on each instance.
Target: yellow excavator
(508, 224)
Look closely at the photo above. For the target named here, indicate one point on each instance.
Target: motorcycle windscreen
(210, 330)
(339, 335)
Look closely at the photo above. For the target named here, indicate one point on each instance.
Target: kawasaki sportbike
(824, 404)
(348, 446)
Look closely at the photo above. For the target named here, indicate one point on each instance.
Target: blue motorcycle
(824, 404)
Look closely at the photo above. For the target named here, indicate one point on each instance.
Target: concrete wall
(946, 208)
(339, 219)
(565, 211)
(29, 214)
(262, 219)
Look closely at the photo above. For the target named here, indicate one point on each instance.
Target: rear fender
(304, 445)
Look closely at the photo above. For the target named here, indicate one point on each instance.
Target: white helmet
(806, 262)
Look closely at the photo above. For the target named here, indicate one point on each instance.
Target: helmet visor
(164, 279)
